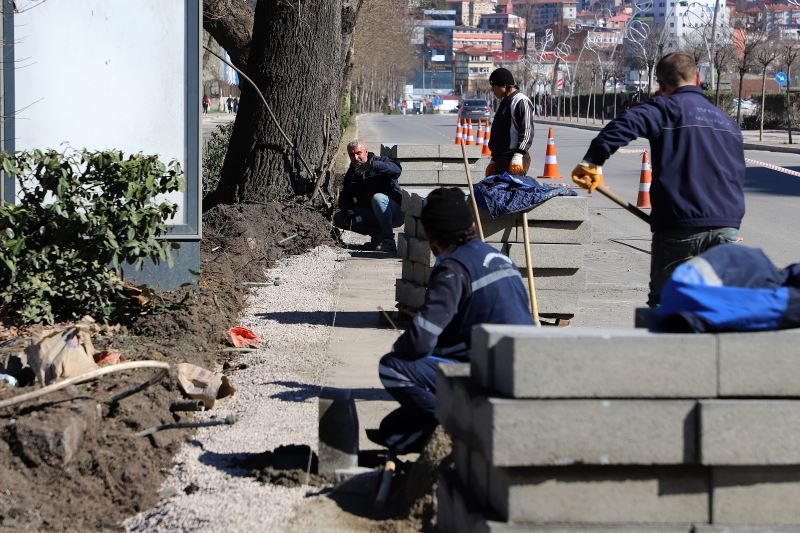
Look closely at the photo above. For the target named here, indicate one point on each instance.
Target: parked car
(748, 106)
(476, 109)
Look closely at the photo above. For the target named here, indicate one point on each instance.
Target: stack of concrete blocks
(574, 429)
(559, 233)
(429, 166)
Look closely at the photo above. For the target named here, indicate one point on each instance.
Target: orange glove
(490, 169)
(588, 176)
(515, 167)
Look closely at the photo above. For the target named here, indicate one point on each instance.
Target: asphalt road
(617, 262)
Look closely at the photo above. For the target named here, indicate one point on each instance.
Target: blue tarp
(504, 194)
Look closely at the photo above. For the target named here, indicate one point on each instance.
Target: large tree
(299, 56)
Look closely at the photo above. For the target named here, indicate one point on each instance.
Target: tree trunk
(716, 89)
(230, 22)
(298, 58)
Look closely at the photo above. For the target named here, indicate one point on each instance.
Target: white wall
(102, 74)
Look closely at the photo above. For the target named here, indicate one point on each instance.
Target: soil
(70, 461)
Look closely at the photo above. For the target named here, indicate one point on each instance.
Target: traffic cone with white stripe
(459, 134)
(550, 163)
(479, 139)
(470, 137)
(643, 200)
(486, 151)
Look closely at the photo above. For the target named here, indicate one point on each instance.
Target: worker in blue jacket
(472, 283)
(370, 199)
(697, 191)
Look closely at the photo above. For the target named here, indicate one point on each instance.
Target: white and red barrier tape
(770, 166)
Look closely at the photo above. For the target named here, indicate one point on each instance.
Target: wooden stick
(617, 199)
(475, 211)
(385, 486)
(529, 269)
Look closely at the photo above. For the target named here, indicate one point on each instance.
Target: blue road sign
(780, 77)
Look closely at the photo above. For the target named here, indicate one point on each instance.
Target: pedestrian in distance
(229, 104)
(206, 104)
(512, 128)
(471, 283)
(698, 167)
(369, 202)
(236, 105)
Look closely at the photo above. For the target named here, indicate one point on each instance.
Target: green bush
(214, 156)
(76, 214)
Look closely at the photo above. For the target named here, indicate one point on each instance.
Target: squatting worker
(470, 284)
(698, 168)
(512, 129)
(370, 199)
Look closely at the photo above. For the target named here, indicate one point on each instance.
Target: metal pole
(713, 42)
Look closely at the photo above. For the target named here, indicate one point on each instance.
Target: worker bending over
(471, 283)
(697, 191)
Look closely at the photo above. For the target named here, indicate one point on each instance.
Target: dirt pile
(70, 461)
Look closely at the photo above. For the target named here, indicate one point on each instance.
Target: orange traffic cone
(486, 150)
(643, 200)
(550, 163)
(470, 138)
(479, 140)
(459, 134)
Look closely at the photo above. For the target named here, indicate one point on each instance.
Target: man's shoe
(388, 246)
(373, 244)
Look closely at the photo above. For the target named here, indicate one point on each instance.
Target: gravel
(275, 404)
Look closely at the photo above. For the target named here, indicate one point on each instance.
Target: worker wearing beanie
(471, 283)
(512, 128)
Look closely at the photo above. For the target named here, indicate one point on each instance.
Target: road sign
(780, 77)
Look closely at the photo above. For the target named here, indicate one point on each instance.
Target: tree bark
(230, 22)
(298, 59)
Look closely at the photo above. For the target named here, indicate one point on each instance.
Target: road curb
(746, 146)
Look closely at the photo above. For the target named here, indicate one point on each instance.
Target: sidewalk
(773, 140)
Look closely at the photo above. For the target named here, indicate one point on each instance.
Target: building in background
(434, 33)
(465, 36)
(468, 12)
(472, 68)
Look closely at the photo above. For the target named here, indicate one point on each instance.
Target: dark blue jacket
(697, 158)
(378, 175)
(473, 285)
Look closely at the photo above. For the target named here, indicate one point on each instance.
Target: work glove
(588, 175)
(515, 167)
(490, 169)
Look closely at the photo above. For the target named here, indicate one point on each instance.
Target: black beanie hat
(502, 77)
(446, 215)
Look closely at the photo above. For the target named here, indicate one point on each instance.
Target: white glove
(516, 165)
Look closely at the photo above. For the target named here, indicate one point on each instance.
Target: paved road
(618, 261)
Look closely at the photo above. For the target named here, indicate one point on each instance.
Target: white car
(748, 106)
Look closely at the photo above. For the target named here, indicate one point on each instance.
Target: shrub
(214, 156)
(76, 214)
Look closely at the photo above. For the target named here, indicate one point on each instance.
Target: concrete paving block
(759, 363)
(750, 432)
(565, 208)
(756, 495)
(453, 151)
(539, 231)
(466, 397)
(555, 302)
(482, 343)
(479, 478)
(453, 177)
(421, 273)
(409, 294)
(412, 203)
(634, 494)
(482, 524)
(599, 432)
(419, 177)
(420, 252)
(410, 225)
(499, 230)
(465, 510)
(407, 271)
(477, 167)
(402, 246)
(421, 165)
(461, 457)
(446, 378)
(561, 279)
(543, 255)
(413, 151)
(743, 528)
(606, 363)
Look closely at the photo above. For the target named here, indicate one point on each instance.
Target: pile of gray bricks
(559, 233)
(573, 429)
(428, 166)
